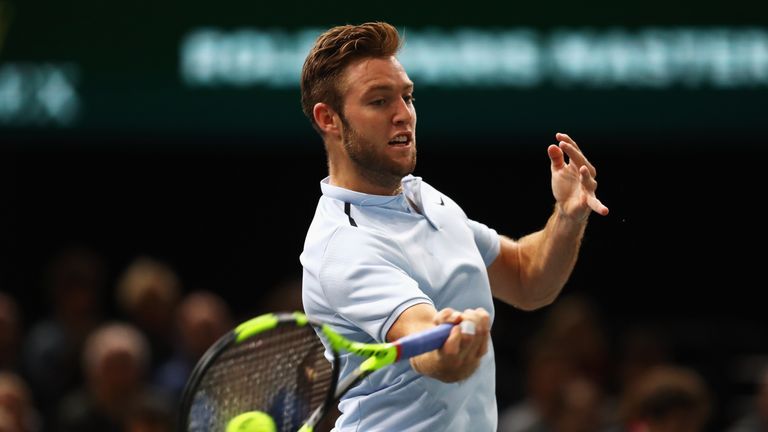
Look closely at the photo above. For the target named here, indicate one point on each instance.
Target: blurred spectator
(148, 292)
(567, 354)
(575, 325)
(10, 332)
(285, 296)
(74, 280)
(548, 368)
(202, 318)
(666, 399)
(115, 361)
(642, 348)
(17, 412)
(150, 415)
(756, 418)
(579, 407)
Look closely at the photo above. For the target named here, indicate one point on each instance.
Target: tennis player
(387, 254)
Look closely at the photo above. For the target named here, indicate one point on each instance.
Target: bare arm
(460, 355)
(530, 272)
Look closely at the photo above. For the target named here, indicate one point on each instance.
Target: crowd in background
(83, 366)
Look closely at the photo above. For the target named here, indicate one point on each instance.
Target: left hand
(573, 183)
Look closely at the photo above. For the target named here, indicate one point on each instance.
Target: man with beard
(388, 255)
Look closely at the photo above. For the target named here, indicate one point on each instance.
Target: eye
(379, 102)
(409, 99)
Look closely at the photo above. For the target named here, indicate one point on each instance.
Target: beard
(378, 169)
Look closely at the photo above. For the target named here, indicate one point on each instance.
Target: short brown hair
(332, 52)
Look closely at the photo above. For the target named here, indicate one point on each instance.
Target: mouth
(402, 139)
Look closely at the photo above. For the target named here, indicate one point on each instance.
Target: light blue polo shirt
(366, 259)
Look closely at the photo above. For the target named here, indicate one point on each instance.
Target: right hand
(460, 355)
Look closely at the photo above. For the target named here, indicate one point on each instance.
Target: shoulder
(359, 245)
(334, 248)
(329, 217)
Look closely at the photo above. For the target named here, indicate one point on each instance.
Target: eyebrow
(387, 87)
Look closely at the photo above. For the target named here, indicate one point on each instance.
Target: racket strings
(282, 372)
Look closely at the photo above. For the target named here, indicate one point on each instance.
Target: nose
(404, 112)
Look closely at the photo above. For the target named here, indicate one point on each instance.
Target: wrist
(575, 217)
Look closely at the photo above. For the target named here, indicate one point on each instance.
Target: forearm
(531, 272)
(553, 254)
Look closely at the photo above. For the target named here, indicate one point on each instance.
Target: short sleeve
(487, 241)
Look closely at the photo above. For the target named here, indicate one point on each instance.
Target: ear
(326, 118)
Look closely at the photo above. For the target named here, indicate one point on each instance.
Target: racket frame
(378, 355)
(242, 333)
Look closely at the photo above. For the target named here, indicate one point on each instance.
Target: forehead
(370, 74)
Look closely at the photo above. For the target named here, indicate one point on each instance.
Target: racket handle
(428, 340)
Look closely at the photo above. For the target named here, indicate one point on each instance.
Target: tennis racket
(270, 374)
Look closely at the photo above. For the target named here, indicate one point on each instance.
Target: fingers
(556, 156)
(577, 164)
(587, 180)
(452, 345)
(590, 184)
(469, 339)
(447, 315)
(479, 318)
(597, 206)
(569, 146)
(475, 344)
(467, 327)
(482, 346)
(576, 156)
(564, 137)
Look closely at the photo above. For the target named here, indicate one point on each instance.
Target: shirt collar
(359, 198)
(411, 188)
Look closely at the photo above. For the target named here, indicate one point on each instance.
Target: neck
(364, 186)
(350, 177)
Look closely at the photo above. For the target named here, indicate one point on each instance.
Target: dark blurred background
(172, 131)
